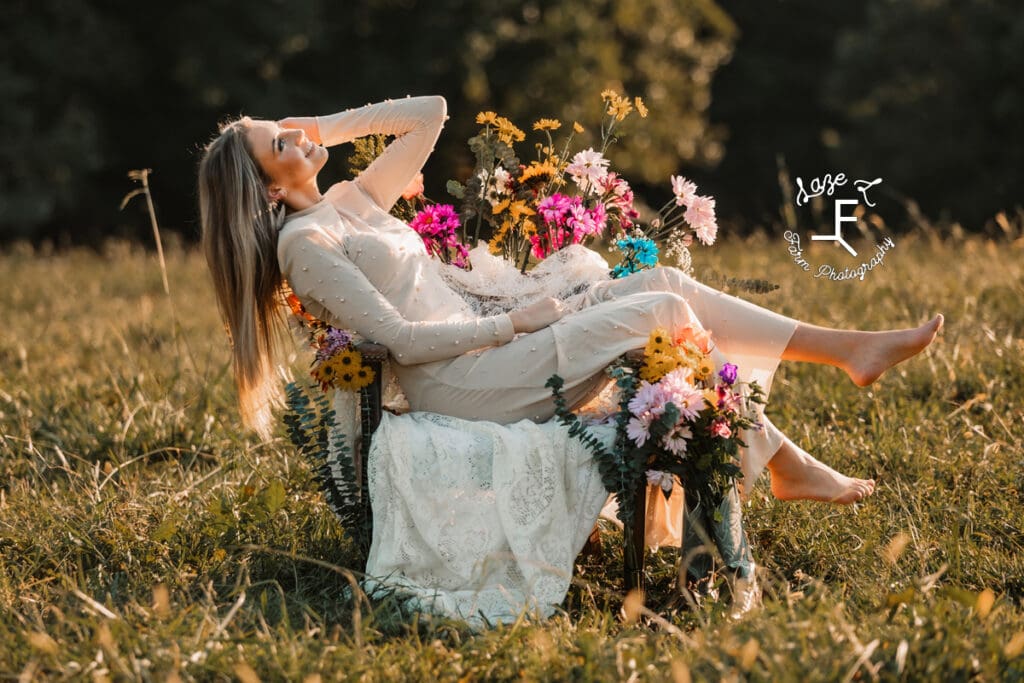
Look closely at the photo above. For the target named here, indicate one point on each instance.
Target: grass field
(145, 535)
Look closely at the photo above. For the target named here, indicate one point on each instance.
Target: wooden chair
(371, 407)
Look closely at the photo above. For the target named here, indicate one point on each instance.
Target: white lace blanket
(476, 520)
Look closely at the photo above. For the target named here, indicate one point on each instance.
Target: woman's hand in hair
(537, 315)
(414, 188)
(307, 124)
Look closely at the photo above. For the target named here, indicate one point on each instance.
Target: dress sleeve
(416, 121)
(317, 271)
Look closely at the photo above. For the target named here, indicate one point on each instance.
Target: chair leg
(635, 542)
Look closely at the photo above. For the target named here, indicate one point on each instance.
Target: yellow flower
(354, 378)
(657, 365)
(609, 95)
(518, 209)
(640, 107)
(346, 360)
(705, 368)
(658, 342)
(508, 132)
(323, 373)
(711, 396)
(620, 108)
(577, 127)
(485, 117)
(529, 227)
(497, 243)
(547, 124)
(499, 207)
(541, 171)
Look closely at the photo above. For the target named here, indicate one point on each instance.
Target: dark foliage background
(924, 93)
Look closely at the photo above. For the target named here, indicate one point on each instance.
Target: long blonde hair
(239, 238)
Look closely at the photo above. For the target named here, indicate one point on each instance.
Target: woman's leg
(797, 475)
(863, 355)
(746, 328)
(740, 327)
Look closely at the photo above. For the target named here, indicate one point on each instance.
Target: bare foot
(881, 350)
(797, 475)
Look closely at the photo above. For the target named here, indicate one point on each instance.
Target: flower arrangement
(337, 362)
(565, 197)
(677, 418)
(685, 418)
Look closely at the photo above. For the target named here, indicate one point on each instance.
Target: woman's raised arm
(415, 121)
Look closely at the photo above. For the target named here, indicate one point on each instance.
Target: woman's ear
(276, 192)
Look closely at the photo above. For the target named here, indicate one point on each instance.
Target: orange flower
(696, 335)
(298, 309)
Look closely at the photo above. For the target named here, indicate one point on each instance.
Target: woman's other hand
(415, 187)
(307, 124)
(537, 315)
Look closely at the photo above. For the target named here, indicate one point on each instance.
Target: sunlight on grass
(144, 534)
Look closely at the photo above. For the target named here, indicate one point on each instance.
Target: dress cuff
(504, 331)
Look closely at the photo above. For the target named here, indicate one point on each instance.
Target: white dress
(448, 493)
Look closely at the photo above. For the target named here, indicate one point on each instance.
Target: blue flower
(639, 253)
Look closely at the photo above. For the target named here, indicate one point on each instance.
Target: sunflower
(539, 171)
(323, 373)
(659, 342)
(705, 369)
(354, 379)
(346, 359)
(658, 365)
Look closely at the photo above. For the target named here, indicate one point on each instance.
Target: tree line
(924, 93)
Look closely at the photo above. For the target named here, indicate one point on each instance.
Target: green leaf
(456, 189)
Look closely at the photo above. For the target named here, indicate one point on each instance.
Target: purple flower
(728, 373)
(335, 340)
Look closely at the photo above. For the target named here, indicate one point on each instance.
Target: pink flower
(675, 441)
(701, 217)
(649, 398)
(637, 429)
(679, 391)
(727, 399)
(555, 209)
(587, 167)
(683, 189)
(662, 479)
(720, 427)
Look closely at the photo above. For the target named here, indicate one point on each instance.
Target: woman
(264, 218)
(473, 518)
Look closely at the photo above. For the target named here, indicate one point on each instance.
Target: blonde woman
(470, 517)
(265, 220)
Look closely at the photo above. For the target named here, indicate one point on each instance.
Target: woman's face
(287, 156)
